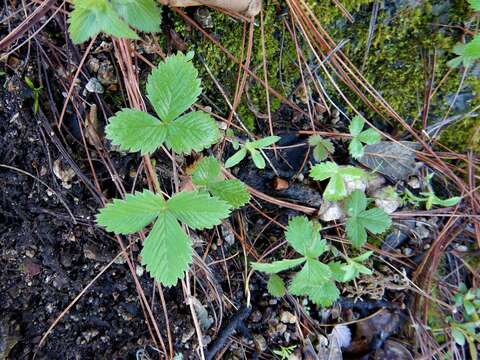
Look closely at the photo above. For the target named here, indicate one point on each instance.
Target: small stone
(106, 73)
(287, 317)
(94, 86)
(414, 183)
(256, 316)
(260, 343)
(187, 335)
(139, 270)
(281, 328)
(30, 253)
(330, 211)
(204, 17)
(90, 334)
(407, 251)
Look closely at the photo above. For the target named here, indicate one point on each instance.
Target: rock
(374, 183)
(330, 211)
(352, 184)
(260, 343)
(256, 316)
(204, 17)
(394, 240)
(139, 270)
(94, 86)
(287, 317)
(387, 199)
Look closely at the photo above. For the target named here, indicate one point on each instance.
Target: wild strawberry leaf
(277, 266)
(173, 86)
(132, 214)
(321, 147)
(91, 17)
(144, 15)
(135, 130)
(467, 53)
(206, 171)
(360, 220)
(359, 137)
(276, 286)
(167, 251)
(305, 238)
(198, 210)
(236, 158)
(232, 191)
(474, 4)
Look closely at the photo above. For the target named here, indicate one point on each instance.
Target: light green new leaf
(467, 53)
(173, 86)
(206, 171)
(359, 137)
(276, 286)
(458, 336)
(257, 158)
(167, 251)
(369, 136)
(144, 15)
(321, 147)
(232, 191)
(355, 148)
(236, 158)
(193, 131)
(356, 125)
(132, 214)
(135, 130)
(91, 17)
(262, 143)
(277, 266)
(359, 220)
(198, 210)
(304, 237)
(324, 171)
(474, 4)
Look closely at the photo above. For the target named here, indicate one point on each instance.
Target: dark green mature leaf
(193, 131)
(144, 15)
(132, 214)
(359, 220)
(304, 237)
(167, 251)
(91, 17)
(206, 171)
(198, 210)
(135, 130)
(276, 286)
(277, 266)
(173, 86)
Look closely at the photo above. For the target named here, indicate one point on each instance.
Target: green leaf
(277, 266)
(198, 210)
(336, 267)
(363, 257)
(304, 237)
(132, 214)
(262, 143)
(369, 136)
(232, 191)
(143, 15)
(135, 130)
(91, 17)
(257, 158)
(193, 131)
(355, 148)
(324, 170)
(446, 202)
(322, 147)
(276, 286)
(468, 53)
(207, 171)
(173, 86)
(236, 158)
(474, 4)
(359, 220)
(315, 281)
(458, 336)
(167, 251)
(356, 125)
(335, 189)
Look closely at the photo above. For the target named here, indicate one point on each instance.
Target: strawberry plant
(172, 88)
(113, 17)
(360, 137)
(336, 188)
(254, 148)
(321, 147)
(207, 175)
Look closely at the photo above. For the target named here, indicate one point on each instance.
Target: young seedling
(254, 148)
(360, 137)
(36, 92)
(113, 17)
(336, 189)
(345, 272)
(315, 279)
(321, 147)
(359, 219)
(172, 88)
(167, 250)
(207, 175)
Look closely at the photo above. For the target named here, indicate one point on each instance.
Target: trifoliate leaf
(262, 143)
(206, 171)
(198, 210)
(336, 189)
(257, 158)
(236, 158)
(277, 266)
(369, 136)
(167, 251)
(321, 147)
(468, 53)
(359, 220)
(91, 17)
(232, 191)
(315, 281)
(304, 237)
(276, 286)
(174, 86)
(144, 15)
(132, 214)
(135, 130)
(193, 131)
